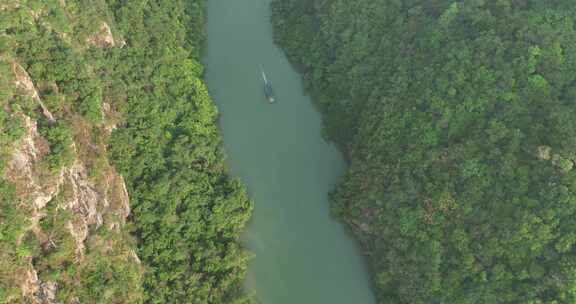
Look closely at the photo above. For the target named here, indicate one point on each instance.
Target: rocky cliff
(63, 207)
(101, 100)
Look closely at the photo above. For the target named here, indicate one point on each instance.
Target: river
(303, 255)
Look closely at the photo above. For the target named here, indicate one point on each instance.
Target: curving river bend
(303, 256)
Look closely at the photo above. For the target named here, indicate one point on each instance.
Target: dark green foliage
(457, 119)
(13, 223)
(187, 214)
(59, 136)
(10, 125)
(54, 63)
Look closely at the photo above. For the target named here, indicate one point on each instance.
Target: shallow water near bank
(303, 255)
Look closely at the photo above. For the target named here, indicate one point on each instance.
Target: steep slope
(113, 185)
(63, 207)
(457, 120)
(187, 213)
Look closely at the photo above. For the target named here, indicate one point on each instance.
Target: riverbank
(455, 116)
(302, 254)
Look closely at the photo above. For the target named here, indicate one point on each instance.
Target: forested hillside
(63, 207)
(458, 121)
(112, 182)
(187, 213)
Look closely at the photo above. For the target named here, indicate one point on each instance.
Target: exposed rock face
(88, 201)
(7, 6)
(84, 199)
(31, 186)
(103, 38)
(25, 84)
(35, 191)
(32, 284)
(117, 194)
(544, 152)
(110, 118)
(562, 162)
(38, 292)
(65, 218)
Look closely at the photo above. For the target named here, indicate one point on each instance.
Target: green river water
(303, 255)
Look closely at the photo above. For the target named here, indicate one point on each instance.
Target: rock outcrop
(36, 291)
(88, 200)
(103, 38)
(25, 84)
(32, 186)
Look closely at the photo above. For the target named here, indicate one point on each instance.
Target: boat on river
(268, 92)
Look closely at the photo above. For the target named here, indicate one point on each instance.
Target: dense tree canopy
(457, 118)
(186, 213)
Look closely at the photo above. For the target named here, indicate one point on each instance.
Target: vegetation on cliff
(88, 88)
(457, 118)
(63, 237)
